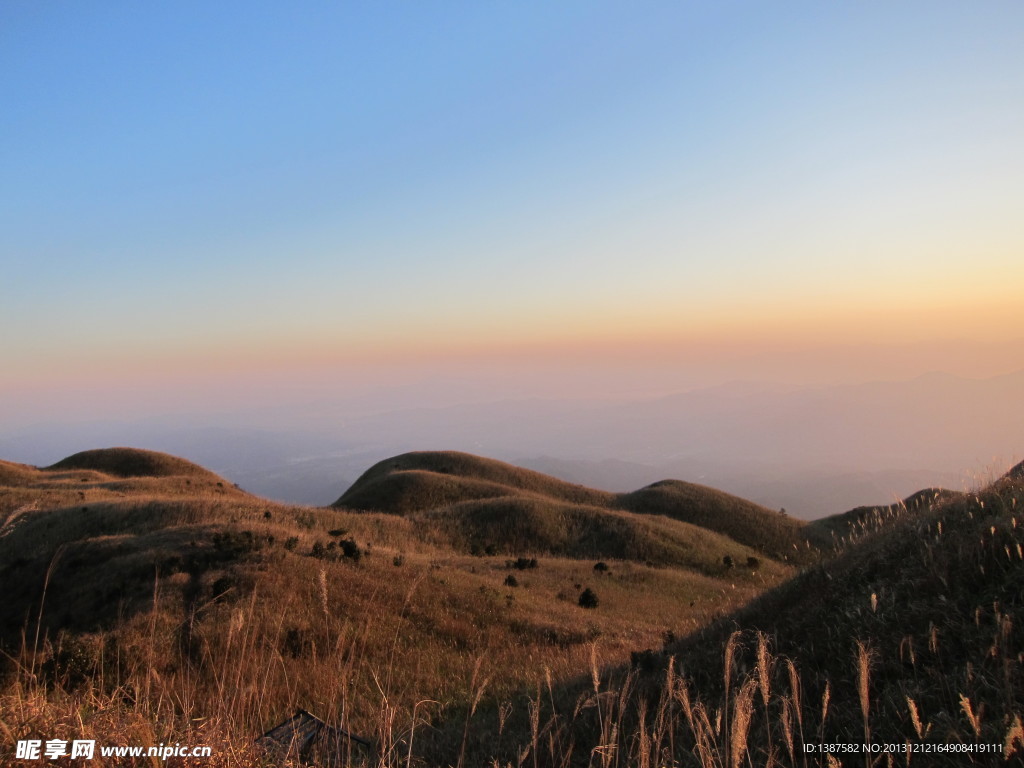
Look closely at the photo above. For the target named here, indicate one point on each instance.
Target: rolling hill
(475, 493)
(125, 567)
(425, 479)
(773, 533)
(910, 635)
(827, 531)
(438, 608)
(131, 462)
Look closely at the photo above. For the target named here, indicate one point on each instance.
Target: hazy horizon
(813, 450)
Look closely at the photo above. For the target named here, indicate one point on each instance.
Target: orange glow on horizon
(707, 334)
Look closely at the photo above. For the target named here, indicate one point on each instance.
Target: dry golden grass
(475, 502)
(772, 532)
(178, 599)
(131, 462)
(447, 474)
(912, 633)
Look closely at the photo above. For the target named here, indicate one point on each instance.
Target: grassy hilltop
(482, 502)
(440, 607)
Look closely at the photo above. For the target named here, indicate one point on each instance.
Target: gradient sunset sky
(195, 194)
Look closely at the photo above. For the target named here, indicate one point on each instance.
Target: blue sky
(194, 183)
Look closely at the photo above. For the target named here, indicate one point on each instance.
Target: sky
(210, 205)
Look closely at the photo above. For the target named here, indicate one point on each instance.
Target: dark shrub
(601, 567)
(221, 586)
(753, 563)
(511, 581)
(234, 543)
(727, 561)
(351, 550)
(645, 661)
(291, 542)
(318, 549)
(72, 665)
(588, 598)
(297, 643)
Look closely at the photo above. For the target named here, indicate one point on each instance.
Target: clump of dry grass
(863, 687)
(614, 722)
(742, 710)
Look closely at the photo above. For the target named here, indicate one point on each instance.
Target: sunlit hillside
(140, 577)
(504, 617)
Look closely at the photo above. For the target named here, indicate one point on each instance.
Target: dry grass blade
(787, 728)
(915, 718)
(864, 655)
(972, 718)
(743, 710)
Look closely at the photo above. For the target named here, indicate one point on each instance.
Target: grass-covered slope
(915, 631)
(181, 608)
(477, 494)
(518, 525)
(14, 475)
(832, 531)
(130, 462)
(97, 528)
(772, 532)
(414, 490)
(132, 576)
(428, 479)
(908, 646)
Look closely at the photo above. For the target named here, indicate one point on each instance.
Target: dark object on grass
(312, 741)
(588, 598)
(351, 550)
